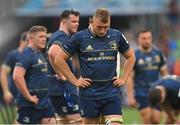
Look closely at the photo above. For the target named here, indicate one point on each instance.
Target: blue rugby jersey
(147, 69)
(58, 87)
(172, 87)
(98, 60)
(36, 77)
(10, 62)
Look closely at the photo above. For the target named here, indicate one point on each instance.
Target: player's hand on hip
(8, 97)
(118, 81)
(83, 82)
(34, 99)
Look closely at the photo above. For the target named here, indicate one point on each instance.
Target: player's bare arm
(20, 82)
(62, 66)
(130, 90)
(164, 70)
(52, 53)
(127, 68)
(7, 95)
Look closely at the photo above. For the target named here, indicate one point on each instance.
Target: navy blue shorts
(143, 102)
(32, 115)
(63, 106)
(93, 108)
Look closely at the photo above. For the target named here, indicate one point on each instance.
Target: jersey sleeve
(9, 60)
(24, 61)
(71, 46)
(61, 40)
(123, 46)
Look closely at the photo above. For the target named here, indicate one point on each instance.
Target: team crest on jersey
(89, 48)
(148, 59)
(113, 44)
(140, 61)
(40, 61)
(157, 58)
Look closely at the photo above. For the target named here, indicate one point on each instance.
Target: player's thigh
(48, 121)
(90, 120)
(156, 115)
(111, 110)
(90, 108)
(74, 118)
(48, 116)
(145, 114)
(112, 106)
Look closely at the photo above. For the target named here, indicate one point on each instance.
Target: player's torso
(36, 78)
(98, 60)
(98, 56)
(147, 68)
(37, 72)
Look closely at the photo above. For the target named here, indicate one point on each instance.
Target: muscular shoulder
(115, 32)
(58, 36)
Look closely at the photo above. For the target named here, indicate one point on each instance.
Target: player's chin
(101, 35)
(74, 30)
(42, 46)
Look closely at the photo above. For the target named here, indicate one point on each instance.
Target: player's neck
(145, 50)
(62, 28)
(34, 48)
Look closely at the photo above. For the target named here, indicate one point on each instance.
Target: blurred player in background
(97, 48)
(9, 89)
(31, 78)
(63, 95)
(150, 63)
(166, 92)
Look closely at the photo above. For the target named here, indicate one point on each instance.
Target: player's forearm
(4, 82)
(61, 66)
(164, 70)
(130, 87)
(21, 85)
(127, 68)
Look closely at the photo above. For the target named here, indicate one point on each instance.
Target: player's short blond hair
(37, 28)
(103, 14)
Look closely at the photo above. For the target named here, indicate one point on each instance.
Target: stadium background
(160, 16)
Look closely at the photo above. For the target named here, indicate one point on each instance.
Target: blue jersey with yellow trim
(10, 62)
(172, 87)
(98, 60)
(36, 77)
(147, 69)
(58, 87)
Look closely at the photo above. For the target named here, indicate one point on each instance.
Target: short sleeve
(71, 46)
(123, 46)
(61, 40)
(24, 61)
(9, 60)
